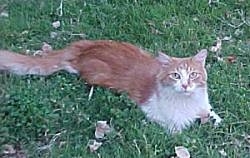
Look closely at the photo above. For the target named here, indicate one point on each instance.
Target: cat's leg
(204, 116)
(208, 113)
(213, 115)
(216, 117)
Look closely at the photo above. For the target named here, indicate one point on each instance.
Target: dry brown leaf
(231, 59)
(101, 129)
(182, 152)
(94, 145)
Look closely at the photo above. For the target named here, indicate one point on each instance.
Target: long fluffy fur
(111, 64)
(125, 67)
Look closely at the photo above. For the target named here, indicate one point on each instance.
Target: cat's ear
(201, 56)
(163, 58)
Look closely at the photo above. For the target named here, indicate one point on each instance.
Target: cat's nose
(184, 86)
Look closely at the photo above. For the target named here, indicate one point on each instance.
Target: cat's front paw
(217, 118)
(217, 121)
(204, 116)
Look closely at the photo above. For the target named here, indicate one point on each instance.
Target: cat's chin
(186, 93)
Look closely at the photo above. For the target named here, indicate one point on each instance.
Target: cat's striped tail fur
(36, 65)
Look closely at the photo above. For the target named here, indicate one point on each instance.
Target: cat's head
(184, 75)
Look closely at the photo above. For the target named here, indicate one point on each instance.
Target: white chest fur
(174, 110)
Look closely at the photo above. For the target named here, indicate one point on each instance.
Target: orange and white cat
(171, 91)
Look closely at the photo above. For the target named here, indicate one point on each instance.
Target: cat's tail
(36, 65)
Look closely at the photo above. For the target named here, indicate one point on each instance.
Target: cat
(170, 91)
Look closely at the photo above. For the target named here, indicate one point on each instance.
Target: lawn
(52, 116)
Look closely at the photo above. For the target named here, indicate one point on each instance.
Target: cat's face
(184, 75)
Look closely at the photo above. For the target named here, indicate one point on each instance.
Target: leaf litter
(3, 12)
(56, 24)
(216, 48)
(10, 151)
(102, 128)
(94, 145)
(182, 152)
(46, 48)
(223, 153)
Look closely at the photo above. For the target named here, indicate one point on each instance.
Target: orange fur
(171, 91)
(111, 64)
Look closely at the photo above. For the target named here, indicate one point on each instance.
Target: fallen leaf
(182, 152)
(227, 38)
(222, 152)
(101, 129)
(195, 19)
(13, 152)
(217, 46)
(4, 14)
(220, 58)
(94, 145)
(53, 34)
(231, 59)
(24, 32)
(8, 149)
(46, 47)
(38, 53)
(56, 24)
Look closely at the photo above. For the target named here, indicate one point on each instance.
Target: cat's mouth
(186, 92)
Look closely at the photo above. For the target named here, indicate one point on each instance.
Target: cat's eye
(193, 75)
(175, 76)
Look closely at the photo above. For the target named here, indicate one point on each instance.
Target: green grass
(35, 110)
